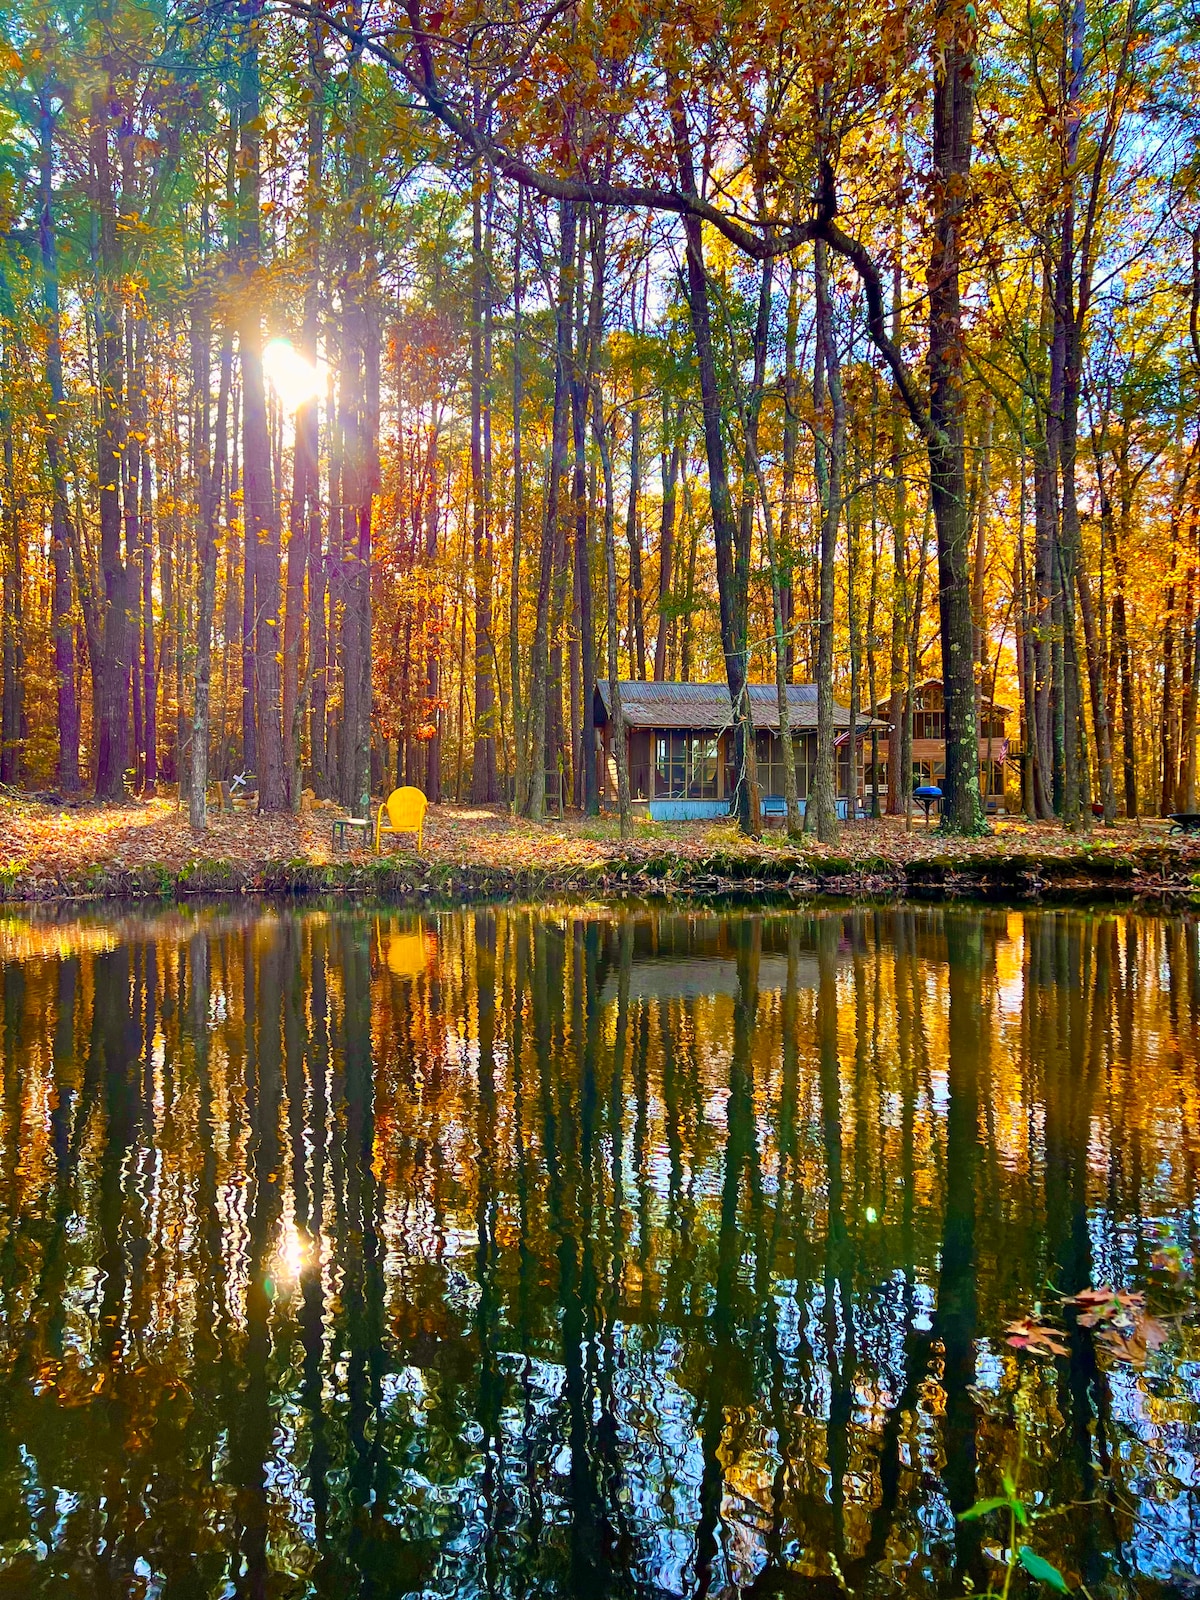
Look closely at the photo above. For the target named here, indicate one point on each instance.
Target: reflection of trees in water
(555, 1253)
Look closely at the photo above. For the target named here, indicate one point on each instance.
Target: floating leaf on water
(1125, 1330)
(1028, 1334)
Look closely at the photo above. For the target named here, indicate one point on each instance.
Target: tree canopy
(374, 379)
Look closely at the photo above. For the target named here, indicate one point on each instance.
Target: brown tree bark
(821, 810)
(538, 686)
(304, 524)
(484, 787)
(211, 465)
(953, 109)
(260, 510)
(732, 558)
(520, 774)
(110, 713)
(672, 453)
(62, 621)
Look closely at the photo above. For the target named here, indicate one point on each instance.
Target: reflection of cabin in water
(929, 743)
(680, 743)
(689, 957)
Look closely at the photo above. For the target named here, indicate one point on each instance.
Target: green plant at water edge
(1021, 1517)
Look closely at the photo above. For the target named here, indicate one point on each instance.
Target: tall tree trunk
(791, 440)
(732, 558)
(520, 777)
(587, 347)
(633, 537)
(212, 473)
(898, 778)
(12, 631)
(671, 459)
(62, 621)
(149, 669)
(539, 665)
(110, 715)
(261, 512)
(433, 672)
(953, 109)
(1191, 668)
(304, 527)
(830, 457)
(600, 434)
(483, 768)
(1025, 666)
(754, 467)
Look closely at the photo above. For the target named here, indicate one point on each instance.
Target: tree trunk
(829, 459)
(483, 765)
(953, 107)
(897, 778)
(732, 562)
(12, 631)
(539, 700)
(791, 439)
(260, 508)
(620, 744)
(304, 526)
(520, 778)
(671, 457)
(62, 622)
(110, 715)
(581, 379)
(211, 478)
(633, 537)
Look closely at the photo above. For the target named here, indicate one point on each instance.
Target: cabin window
(685, 766)
(929, 724)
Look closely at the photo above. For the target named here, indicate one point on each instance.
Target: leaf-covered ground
(148, 846)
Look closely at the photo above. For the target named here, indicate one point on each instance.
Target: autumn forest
(376, 379)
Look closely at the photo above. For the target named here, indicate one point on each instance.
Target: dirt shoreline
(1153, 872)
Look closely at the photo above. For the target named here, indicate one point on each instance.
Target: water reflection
(546, 1253)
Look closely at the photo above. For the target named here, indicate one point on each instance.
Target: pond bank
(145, 850)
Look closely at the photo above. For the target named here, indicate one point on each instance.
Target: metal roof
(707, 706)
(885, 703)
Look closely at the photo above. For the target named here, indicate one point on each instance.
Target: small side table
(350, 833)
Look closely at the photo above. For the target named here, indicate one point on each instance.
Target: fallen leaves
(42, 843)
(1123, 1328)
(1028, 1333)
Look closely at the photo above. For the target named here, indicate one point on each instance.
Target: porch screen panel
(685, 766)
(769, 754)
(702, 767)
(670, 765)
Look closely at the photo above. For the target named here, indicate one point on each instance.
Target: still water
(564, 1252)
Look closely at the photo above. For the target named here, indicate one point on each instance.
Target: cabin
(680, 747)
(929, 744)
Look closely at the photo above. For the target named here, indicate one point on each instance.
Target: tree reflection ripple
(563, 1252)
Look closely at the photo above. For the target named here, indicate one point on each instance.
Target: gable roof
(707, 706)
(884, 707)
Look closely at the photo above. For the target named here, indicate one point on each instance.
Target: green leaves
(1041, 1570)
(982, 1507)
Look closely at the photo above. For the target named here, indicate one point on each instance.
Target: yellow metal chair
(404, 811)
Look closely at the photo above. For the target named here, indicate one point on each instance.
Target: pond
(585, 1251)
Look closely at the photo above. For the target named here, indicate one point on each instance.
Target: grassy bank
(147, 850)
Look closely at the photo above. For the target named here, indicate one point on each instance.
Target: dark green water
(572, 1253)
